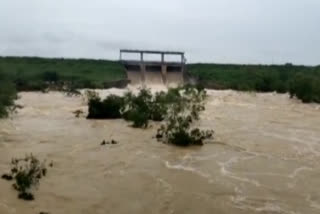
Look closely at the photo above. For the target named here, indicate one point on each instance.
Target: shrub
(177, 131)
(158, 110)
(27, 173)
(144, 107)
(139, 118)
(109, 108)
(305, 88)
(180, 115)
(137, 108)
(179, 107)
(7, 97)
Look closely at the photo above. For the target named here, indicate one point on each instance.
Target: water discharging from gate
(173, 79)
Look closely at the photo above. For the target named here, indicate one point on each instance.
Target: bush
(137, 108)
(109, 108)
(139, 118)
(178, 132)
(305, 88)
(179, 107)
(144, 107)
(27, 173)
(7, 96)
(181, 113)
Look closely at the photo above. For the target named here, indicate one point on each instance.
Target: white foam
(226, 172)
(269, 207)
(186, 168)
(266, 208)
(298, 170)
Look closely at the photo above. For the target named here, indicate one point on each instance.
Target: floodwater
(265, 159)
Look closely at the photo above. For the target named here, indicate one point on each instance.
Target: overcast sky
(235, 31)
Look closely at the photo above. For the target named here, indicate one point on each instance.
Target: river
(265, 158)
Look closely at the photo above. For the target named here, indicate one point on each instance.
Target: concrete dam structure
(157, 70)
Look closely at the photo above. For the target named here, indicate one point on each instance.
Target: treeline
(302, 82)
(34, 74)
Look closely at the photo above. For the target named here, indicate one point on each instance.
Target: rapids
(265, 158)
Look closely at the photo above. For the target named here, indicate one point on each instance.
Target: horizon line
(117, 60)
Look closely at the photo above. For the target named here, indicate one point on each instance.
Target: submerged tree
(181, 114)
(178, 108)
(109, 108)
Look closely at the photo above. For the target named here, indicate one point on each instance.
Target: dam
(158, 70)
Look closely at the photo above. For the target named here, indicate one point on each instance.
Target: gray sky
(235, 31)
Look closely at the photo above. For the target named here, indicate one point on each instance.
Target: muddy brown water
(265, 159)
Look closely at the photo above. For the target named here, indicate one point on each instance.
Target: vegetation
(178, 108)
(108, 108)
(32, 73)
(301, 81)
(7, 95)
(68, 75)
(27, 173)
(305, 87)
(143, 107)
(138, 109)
(177, 130)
